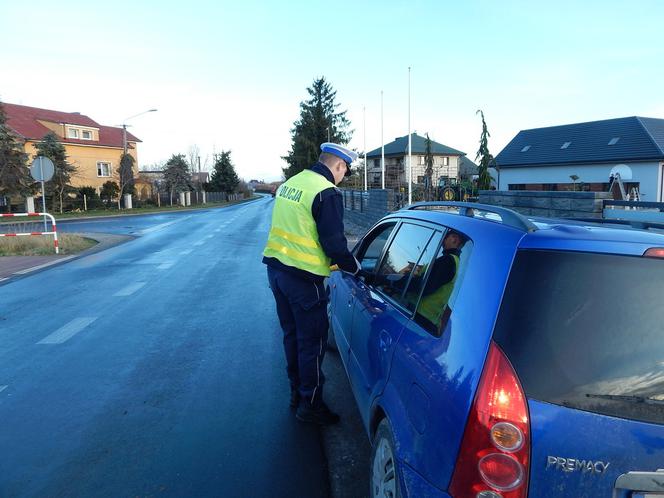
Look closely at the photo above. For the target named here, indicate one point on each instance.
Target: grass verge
(43, 245)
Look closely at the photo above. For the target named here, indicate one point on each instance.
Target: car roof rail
(507, 216)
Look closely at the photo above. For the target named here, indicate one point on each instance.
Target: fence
(11, 229)
(633, 211)
(365, 208)
(82, 203)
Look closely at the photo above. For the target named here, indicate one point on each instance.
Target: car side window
(442, 282)
(402, 260)
(372, 247)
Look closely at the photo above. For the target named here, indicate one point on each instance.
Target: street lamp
(124, 127)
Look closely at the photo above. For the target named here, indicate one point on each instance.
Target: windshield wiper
(631, 399)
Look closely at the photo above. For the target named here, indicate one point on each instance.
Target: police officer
(306, 237)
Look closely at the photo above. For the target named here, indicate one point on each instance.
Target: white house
(585, 156)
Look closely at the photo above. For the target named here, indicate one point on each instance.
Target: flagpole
(382, 143)
(364, 124)
(410, 157)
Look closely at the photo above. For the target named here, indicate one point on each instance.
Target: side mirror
(365, 276)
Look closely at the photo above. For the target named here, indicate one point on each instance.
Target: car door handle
(384, 340)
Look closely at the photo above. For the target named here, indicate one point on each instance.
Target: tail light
(654, 252)
(494, 456)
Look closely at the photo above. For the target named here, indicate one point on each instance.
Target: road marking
(35, 268)
(199, 243)
(2, 388)
(129, 290)
(163, 225)
(68, 331)
(218, 230)
(208, 237)
(165, 266)
(188, 251)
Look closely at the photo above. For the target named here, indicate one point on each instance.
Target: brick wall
(548, 204)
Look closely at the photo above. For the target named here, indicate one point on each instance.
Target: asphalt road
(154, 369)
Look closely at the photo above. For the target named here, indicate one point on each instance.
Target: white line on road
(218, 230)
(68, 331)
(199, 243)
(2, 388)
(129, 290)
(163, 225)
(188, 251)
(208, 237)
(165, 266)
(35, 268)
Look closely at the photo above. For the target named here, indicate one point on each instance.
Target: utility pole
(382, 143)
(410, 157)
(364, 123)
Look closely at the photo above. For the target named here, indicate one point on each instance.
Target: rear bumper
(414, 486)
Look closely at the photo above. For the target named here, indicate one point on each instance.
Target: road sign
(42, 169)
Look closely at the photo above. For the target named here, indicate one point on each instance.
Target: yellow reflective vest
(432, 306)
(293, 238)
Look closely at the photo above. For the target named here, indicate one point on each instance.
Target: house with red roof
(93, 148)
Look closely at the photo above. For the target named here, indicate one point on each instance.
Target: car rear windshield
(587, 331)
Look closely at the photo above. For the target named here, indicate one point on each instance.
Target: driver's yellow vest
(293, 238)
(432, 306)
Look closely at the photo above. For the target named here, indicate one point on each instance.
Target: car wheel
(384, 474)
(331, 342)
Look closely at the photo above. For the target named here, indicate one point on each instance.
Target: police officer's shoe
(294, 398)
(319, 414)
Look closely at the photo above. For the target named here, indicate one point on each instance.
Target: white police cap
(340, 151)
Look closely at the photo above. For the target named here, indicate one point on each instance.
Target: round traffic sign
(42, 169)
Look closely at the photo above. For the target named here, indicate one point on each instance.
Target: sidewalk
(14, 266)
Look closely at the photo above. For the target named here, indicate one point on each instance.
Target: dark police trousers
(302, 311)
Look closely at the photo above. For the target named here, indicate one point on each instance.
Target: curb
(104, 241)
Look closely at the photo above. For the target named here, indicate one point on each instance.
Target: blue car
(492, 355)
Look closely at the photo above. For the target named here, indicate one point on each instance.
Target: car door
(344, 287)
(380, 309)
(419, 371)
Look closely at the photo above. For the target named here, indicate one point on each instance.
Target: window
(86, 135)
(73, 133)
(372, 247)
(446, 161)
(565, 145)
(437, 291)
(569, 342)
(421, 179)
(421, 159)
(614, 140)
(103, 169)
(526, 148)
(403, 259)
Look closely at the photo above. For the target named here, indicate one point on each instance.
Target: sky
(231, 75)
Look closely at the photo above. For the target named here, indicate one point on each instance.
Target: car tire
(384, 471)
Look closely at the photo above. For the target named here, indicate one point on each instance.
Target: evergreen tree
(176, 175)
(59, 185)
(126, 176)
(319, 122)
(224, 178)
(428, 172)
(484, 180)
(109, 191)
(14, 174)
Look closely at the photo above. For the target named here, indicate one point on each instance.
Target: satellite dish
(623, 170)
